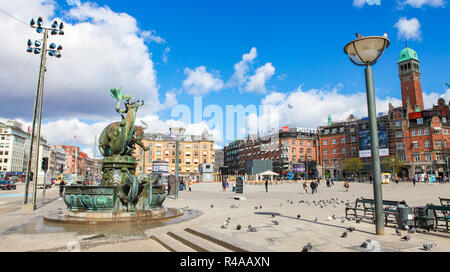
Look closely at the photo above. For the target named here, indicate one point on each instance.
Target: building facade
(193, 151)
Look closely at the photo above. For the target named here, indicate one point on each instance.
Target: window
(294, 158)
(438, 143)
(335, 161)
(444, 120)
(353, 139)
(334, 151)
(398, 123)
(158, 153)
(326, 131)
(352, 129)
(325, 142)
(341, 130)
(334, 130)
(416, 145)
(400, 145)
(333, 141)
(438, 156)
(342, 140)
(326, 162)
(302, 150)
(293, 150)
(402, 157)
(353, 148)
(309, 143)
(414, 133)
(286, 142)
(420, 121)
(420, 132)
(309, 150)
(428, 156)
(344, 150)
(427, 143)
(399, 134)
(325, 151)
(301, 142)
(437, 130)
(427, 131)
(417, 157)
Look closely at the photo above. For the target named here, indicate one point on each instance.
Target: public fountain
(122, 196)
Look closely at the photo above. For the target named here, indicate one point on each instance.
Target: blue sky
(296, 50)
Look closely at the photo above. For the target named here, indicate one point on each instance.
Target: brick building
(416, 136)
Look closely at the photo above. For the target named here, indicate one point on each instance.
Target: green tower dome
(407, 54)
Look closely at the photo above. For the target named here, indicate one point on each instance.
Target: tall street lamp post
(40, 47)
(365, 51)
(177, 132)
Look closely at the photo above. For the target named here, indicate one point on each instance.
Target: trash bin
(405, 217)
(424, 217)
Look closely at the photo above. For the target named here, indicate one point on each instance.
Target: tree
(392, 164)
(353, 165)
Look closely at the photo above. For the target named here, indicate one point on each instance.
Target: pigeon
(344, 234)
(351, 229)
(428, 246)
(298, 216)
(275, 222)
(406, 238)
(260, 207)
(330, 218)
(406, 227)
(307, 248)
(256, 208)
(334, 217)
(343, 220)
(238, 227)
(412, 230)
(399, 232)
(366, 243)
(358, 221)
(273, 215)
(251, 229)
(212, 205)
(385, 35)
(316, 219)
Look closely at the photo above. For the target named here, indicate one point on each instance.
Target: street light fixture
(177, 132)
(365, 51)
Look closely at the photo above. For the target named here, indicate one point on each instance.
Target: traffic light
(61, 169)
(44, 164)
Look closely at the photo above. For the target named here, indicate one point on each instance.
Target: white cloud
(409, 29)
(257, 82)
(199, 82)
(242, 68)
(165, 57)
(360, 3)
(102, 49)
(421, 3)
(311, 108)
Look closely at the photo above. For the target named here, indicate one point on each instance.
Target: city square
(291, 235)
(163, 134)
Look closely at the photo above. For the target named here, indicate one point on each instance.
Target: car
(7, 185)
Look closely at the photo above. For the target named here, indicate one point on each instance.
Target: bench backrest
(445, 201)
(388, 203)
(439, 209)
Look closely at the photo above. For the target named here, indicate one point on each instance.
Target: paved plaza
(207, 207)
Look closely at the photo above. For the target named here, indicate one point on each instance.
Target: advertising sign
(365, 142)
(160, 167)
(299, 168)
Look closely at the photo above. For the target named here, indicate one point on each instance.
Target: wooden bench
(389, 209)
(354, 208)
(441, 214)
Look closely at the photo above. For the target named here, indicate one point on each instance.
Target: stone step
(170, 244)
(195, 242)
(147, 245)
(226, 241)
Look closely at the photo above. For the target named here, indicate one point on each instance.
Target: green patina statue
(119, 138)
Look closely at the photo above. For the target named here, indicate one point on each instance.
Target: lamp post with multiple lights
(40, 47)
(365, 51)
(177, 132)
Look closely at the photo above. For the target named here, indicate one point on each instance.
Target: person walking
(224, 184)
(189, 182)
(305, 187)
(312, 187)
(62, 183)
(267, 184)
(233, 185)
(346, 185)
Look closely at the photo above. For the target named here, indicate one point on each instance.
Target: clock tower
(409, 73)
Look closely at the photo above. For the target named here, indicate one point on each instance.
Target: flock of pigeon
(368, 245)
